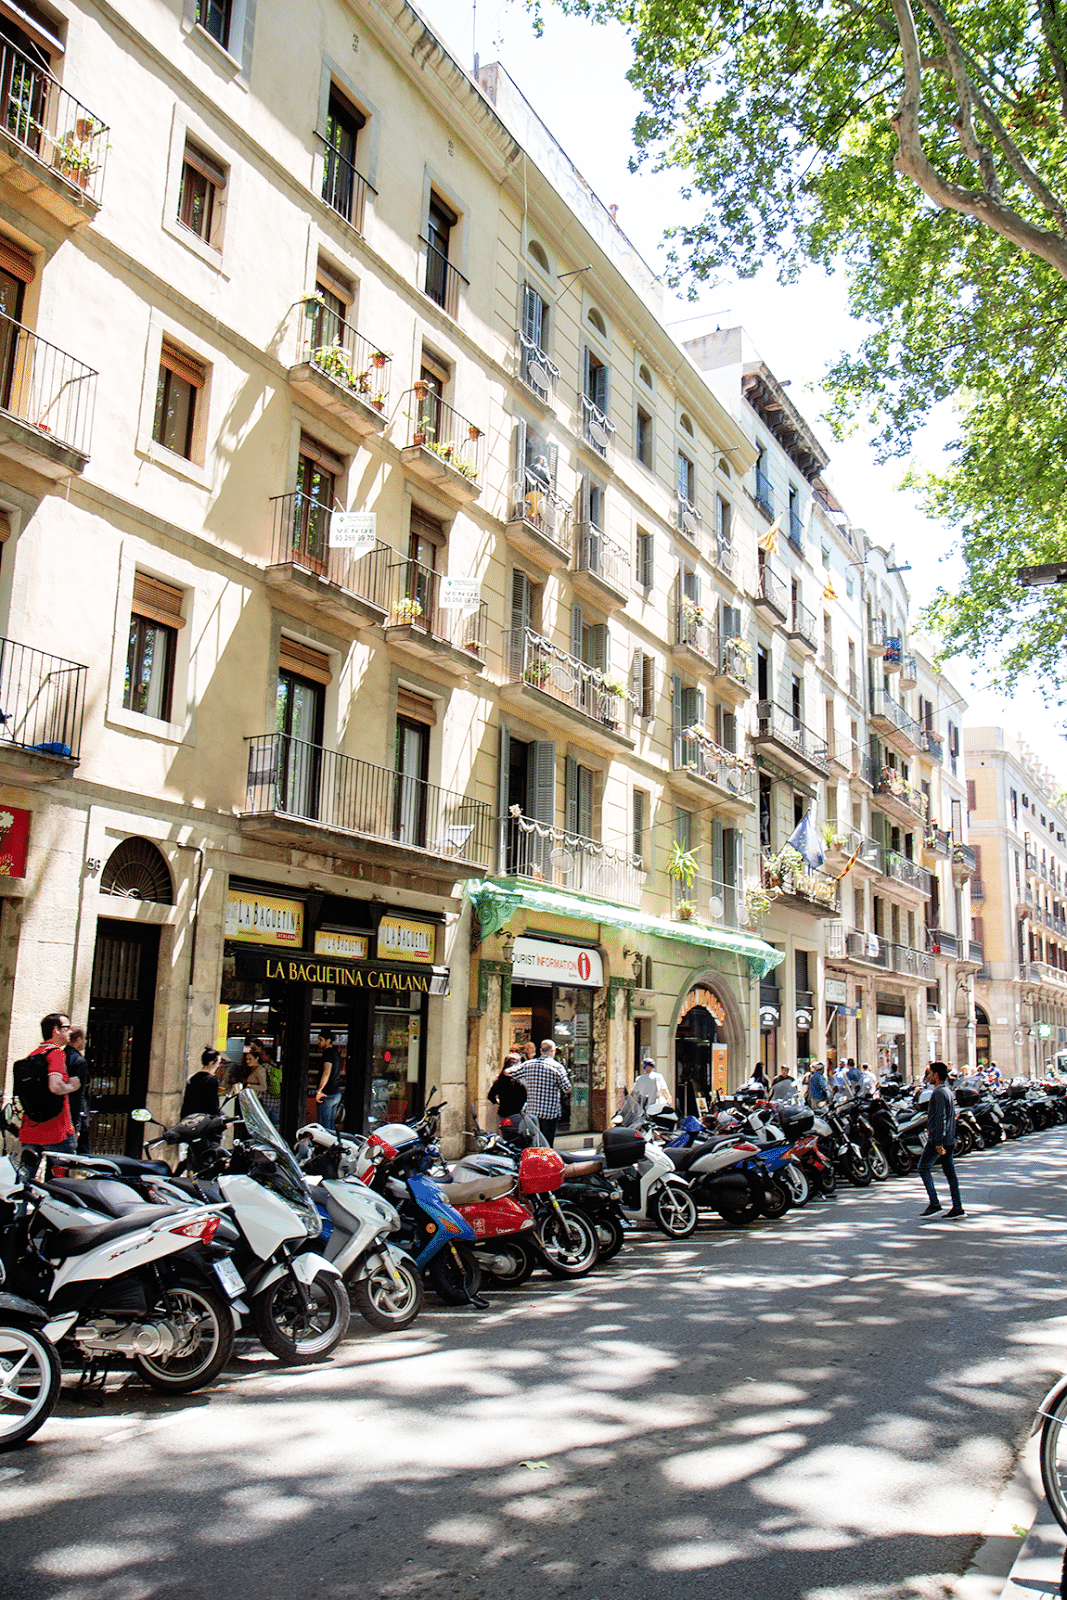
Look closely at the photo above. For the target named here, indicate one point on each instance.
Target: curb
(1007, 1566)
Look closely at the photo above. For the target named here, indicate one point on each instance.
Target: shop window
(156, 617)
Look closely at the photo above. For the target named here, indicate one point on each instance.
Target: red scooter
(515, 1235)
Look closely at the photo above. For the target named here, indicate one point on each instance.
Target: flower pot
(422, 389)
(378, 359)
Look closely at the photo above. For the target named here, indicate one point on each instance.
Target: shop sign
(699, 996)
(803, 1018)
(403, 939)
(888, 1024)
(836, 991)
(768, 1018)
(718, 1068)
(360, 975)
(14, 841)
(1044, 1030)
(263, 919)
(540, 961)
(352, 946)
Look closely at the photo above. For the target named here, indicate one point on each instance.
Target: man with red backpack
(47, 1087)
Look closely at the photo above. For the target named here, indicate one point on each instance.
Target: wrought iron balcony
(42, 703)
(691, 628)
(938, 841)
(913, 963)
(964, 862)
(599, 557)
(304, 562)
(1031, 861)
(803, 628)
(536, 662)
(414, 605)
(535, 369)
(443, 447)
(539, 509)
(51, 395)
(796, 529)
(344, 189)
(726, 557)
(546, 854)
(868, 948)
(909, 672)
(42, 120)
(876, 636)
(862, 765)
(687, 518)
(904, 870)
(708, 900)
(788, 734)
(735, 659)
(932, 745)
(910, 801)
(843, 844)
(764, 494)
(893, 647)
(941, 943)
(975, 952)
(771, 592)
(889, 713)
(696, 753)
(800, 882)
(441, 280)
(597, 431)
(343, 373)
(291, 779)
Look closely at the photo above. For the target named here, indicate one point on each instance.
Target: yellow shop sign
(264, 919)
(403, 939)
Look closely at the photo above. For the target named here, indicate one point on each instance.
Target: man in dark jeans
(940, 1142)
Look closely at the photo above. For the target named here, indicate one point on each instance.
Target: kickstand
(91, 1383)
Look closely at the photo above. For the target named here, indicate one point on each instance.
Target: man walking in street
(546, 1084)
(57, 1133)
(940, 1141)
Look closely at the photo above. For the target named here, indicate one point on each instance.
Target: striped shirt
(545, 1080)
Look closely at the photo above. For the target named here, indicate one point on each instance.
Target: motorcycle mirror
(141, 1115)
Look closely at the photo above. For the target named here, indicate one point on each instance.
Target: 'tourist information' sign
(263, 919)
(539, 961)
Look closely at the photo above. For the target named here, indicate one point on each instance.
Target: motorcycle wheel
(1025, 1123)
(857, 1171)
(964, 1140)
(295, 1336)
(674, 1211)
(795, 1181)
(776, 1199)
(828, 1181)
(900, 1159)
(455, 1281)
(386, 1304)
(610, 1236)
(30, 1381)
(878, 1164)
(521, 1264)
(1054, 1460)
(568, 1243)
(738, 1216)
(208, 1327)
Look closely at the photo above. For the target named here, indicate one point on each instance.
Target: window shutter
(585, 803)
(521, 597)
(328, 278)
(972, 798)
(503, 792)
(553, 464)
(690, 707)
(305, 662)
(520, 455)
(683, 477)
(639, 824)
(683, 829)
(541, 782)
(586, 374)
(731, 842)
(978, 929)
(576, 632)
(159, 602)
(731, 620)
(16, 261)
(648, 685)
(977, 860)
(601, 396)
(210, 169)
(718, 870)
(415, 708)
(599, 643)
(532, 314)
(183, 366)
(729, 732)
(328, 459)
(636, 679)
(571, 797)
(676, 703)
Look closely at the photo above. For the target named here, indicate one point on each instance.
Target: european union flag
(805, 838)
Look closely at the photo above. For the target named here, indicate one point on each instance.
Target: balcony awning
(496, 901)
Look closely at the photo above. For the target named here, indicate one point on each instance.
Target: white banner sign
(460, 594)
(539, 961)
(836, 992)
(353, 530)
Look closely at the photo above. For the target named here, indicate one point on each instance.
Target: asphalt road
(823, 1408)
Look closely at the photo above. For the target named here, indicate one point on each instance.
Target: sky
(575, 78)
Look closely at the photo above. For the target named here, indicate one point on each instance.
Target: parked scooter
(30, 1373)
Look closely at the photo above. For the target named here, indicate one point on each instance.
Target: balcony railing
(1031, 862)
(695, 751)
(601, 556)
(42, 701)
(441, 280)
(876, 636)
(775, 722)
(913, 963)
(867, 947)
(909, 672)
(542, 509)
(692, 628)
(439, 428)
(828, 661)
(45, 119)
(710, 900)
(535, 369)
(893, 647)
(531, 659)
(293, 778)
(349, 358)
(302, 537)
(413, 600)
(726, 556)
(772, 590)
(818, 887)
(862, 765)
(932, 744)
(596, 429)
(939, 942)
(735, 658)
(939, 840)
(855, 690)
(804, 626)
(907, 871)
(764, 493)
(546, 854)
(796, 530)
(844, 843)
(883, 705)
(687, 518)
(45, 388)
(891, 783)
(343, 188)
(964, 861)
(975, 952)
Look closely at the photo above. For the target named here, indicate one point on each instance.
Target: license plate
(229, 1277)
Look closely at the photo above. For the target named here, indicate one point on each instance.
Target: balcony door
(12, 289)
(412, 765)
(298, 721)
(316, 486)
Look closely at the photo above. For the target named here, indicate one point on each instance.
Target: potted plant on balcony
(332, 359)
(682, 867)
(74, 160)
(313, 304)
(757, 904)
(784, 864)
(538, 673)
(379, 358)
(407, 610)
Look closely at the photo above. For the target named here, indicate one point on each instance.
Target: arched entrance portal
(981, 1018)
(705, 1031)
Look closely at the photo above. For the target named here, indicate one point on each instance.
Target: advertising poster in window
(718, 1068)
(14, 841)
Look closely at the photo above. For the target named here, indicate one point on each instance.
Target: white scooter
(382, 1279)
(652, 1190)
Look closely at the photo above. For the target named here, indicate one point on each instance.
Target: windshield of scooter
(630, 1113)
(283, 1176)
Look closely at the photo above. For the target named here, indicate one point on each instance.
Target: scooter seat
(76, 1241)
(581, 1158)
(582, 1169)
(476, 1190)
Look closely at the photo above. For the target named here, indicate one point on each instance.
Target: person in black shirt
(940, 1142)
(78, 1067)
(202, 1089)
(328, 1093)
(508, 1094)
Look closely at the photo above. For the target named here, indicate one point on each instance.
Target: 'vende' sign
(539, 961)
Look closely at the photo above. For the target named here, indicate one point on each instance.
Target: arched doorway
(707, 1033)
(981, 1018)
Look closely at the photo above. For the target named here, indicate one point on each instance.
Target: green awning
(496, 901)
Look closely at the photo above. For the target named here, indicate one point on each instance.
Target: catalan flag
(829, 592)
(768, 543)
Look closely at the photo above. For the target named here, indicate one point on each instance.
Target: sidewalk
(1004, 1570)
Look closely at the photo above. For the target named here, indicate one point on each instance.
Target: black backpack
(30, 1082)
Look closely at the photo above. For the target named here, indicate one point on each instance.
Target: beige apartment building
(1019, 903)
(376, 575)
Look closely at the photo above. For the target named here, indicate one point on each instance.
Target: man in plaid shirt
(546, 1083)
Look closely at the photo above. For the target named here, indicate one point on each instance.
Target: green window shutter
(585, 803)
(576, 631)
(729, 731)
(541, 782)
(717, 846)
(571, 797)
(599, 650)
(676, 704)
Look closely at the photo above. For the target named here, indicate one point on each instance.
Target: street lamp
(1039, 577)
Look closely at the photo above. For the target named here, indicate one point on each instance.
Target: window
(412, 766)
(214, 17)
(329, 323)
(579, 799)
(181, 378)
(343, 188)
(156, 616)
(596, 381)
(643, 437)
(200, 195)
(796, 526)
(686, 424)
(317, 472)
(723, 529)
(538, 253)
(589, 640)
(299, 704)
(535, 501)
(442, 280)
(640, 814)
(645, 375)
(644, 573)
(597, 321)
(687, 479)
(535, 369)
(764, 492)
(643, 683)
